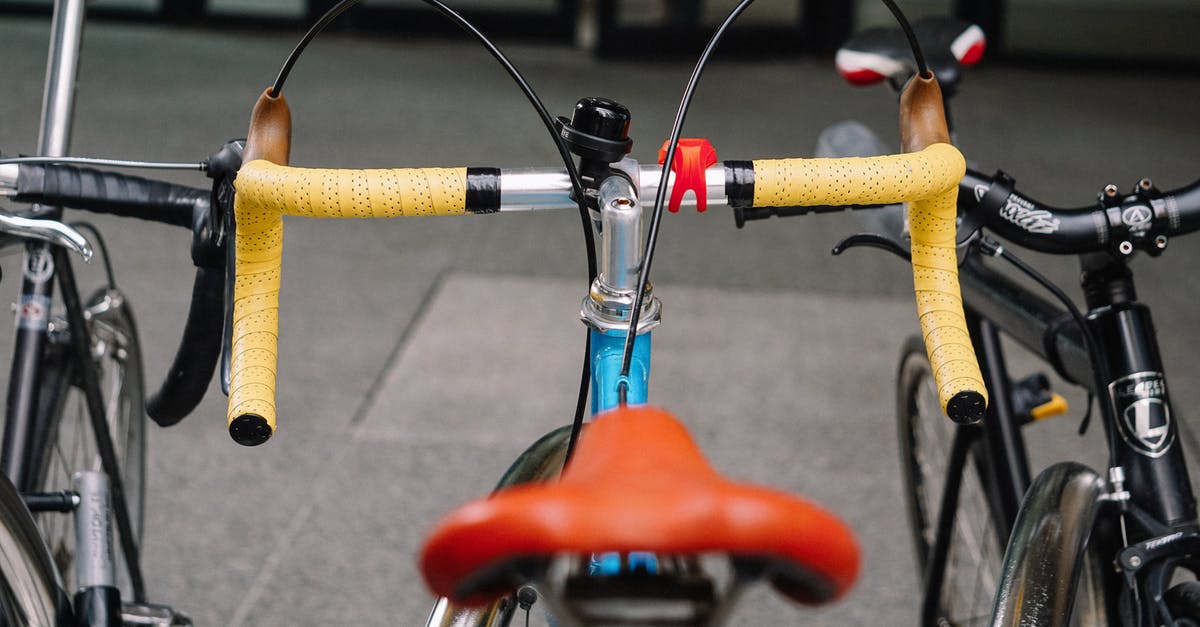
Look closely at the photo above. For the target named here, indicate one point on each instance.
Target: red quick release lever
(692, 158)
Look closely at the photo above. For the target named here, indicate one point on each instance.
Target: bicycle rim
(976, 550)
(69, 446)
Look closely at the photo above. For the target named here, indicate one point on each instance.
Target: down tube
(607, 355)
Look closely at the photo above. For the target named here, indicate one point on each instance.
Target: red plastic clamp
(692, 158)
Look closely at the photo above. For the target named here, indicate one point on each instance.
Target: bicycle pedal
(1056, 406)
(153, 615)
(1033, 399)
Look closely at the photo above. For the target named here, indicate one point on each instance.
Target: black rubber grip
(196, 359)
(108, 192)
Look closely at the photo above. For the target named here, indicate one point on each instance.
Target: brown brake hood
(270, 134)
(922, 116)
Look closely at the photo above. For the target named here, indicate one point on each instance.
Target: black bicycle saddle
(878, 54)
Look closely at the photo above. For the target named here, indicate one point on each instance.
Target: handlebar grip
(108, 192)
(928, 179)
(848, 181)
(932, 226)
(265, 192)
(192, 369)
(961, 390)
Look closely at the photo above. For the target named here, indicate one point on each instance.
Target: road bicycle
(1072, 546)
(562, 197)
(621, 538)
(73, 448)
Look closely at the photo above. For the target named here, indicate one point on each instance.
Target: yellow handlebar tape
(928, 181)
(265, 193)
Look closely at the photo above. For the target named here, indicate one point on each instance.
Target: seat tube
(24, 383)
(607, 307)
(58, 103)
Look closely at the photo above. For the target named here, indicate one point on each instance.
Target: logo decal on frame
(39, 264)
(1143, 414)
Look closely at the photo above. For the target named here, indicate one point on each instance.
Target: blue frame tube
(607, 353)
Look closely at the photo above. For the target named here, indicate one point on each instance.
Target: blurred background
(1078, 30)
(419, 357)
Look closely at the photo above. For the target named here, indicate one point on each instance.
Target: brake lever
(222, 168)
(873, 240)
(51, 231)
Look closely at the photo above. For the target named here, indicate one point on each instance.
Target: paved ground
(419, 356)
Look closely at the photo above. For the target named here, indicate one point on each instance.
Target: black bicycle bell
(598, 130)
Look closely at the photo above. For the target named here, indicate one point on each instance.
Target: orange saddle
(638, 483)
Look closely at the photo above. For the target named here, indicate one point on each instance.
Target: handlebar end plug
(966, 407)
(250, 430)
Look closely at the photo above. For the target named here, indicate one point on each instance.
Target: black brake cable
(644, 274)
(198, 166)
(563, 152)
(922, 68)
(585, 377)
(660, 197)
(1098, 368)
(312, 33)
(103, 248)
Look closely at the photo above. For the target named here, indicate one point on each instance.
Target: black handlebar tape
(108, 192)
(196, 358)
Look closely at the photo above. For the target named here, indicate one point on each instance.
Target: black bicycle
(1075, 545)
(75, 423)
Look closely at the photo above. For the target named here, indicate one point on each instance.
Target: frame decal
(1023, 213)
(34, 312)
(1143, 413)
(39, 264)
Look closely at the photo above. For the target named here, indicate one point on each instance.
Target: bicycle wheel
(976, 549)
(67, 442)
(30, 591)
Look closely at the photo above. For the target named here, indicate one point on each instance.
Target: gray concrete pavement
(418, 356)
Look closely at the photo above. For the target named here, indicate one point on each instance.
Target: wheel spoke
(71, 445)
(972, 562)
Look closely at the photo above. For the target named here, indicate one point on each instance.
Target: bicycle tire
(1183, 600)
(976, 549)
(66, 444)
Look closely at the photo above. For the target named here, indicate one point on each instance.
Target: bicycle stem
(607, 308)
